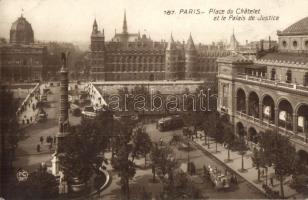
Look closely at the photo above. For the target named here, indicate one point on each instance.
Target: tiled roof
(286, 57)
(234, 58)
(298, 28)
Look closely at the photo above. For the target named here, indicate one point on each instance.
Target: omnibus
(220, 180)
(89, 112)
(169, 123)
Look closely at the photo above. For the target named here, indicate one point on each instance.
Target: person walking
(272, 181)
(41, 139)
(38, 148)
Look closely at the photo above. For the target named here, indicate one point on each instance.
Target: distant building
(251, 49)
(132, 56)
(270, 92)
(21, 59)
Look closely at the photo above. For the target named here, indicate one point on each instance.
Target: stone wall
(164, 87)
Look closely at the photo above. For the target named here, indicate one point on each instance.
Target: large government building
(132, 56)
(21, 59)
(271, 91)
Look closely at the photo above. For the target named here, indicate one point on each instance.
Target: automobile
(169, 123)
(89, 112)
(42, 116)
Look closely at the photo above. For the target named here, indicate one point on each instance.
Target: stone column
(246, 105)
(276, 117)
(304, 129)
(235, 103)
(260, 111)
(295, 122)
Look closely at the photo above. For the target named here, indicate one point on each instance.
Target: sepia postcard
(158, 100)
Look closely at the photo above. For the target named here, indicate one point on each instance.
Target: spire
(171, 44)
(95, 27)
(124, 23)
(95, 23)
(190, 43)
(233, 42)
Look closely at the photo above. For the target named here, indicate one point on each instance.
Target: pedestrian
(54, 139)
(272, 181)
(262, 172)
(51, 140)
(235, 179)
(41, 139)
(38, 148)
(50, 146)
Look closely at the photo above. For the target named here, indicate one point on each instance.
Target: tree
(208, 126)
(141, 143)
(283, 159)
(229, 139)
(242, 151)
(41, 185)
(125, 167)
(195, 114)
(84, 147)
(9, 135)
(279, 152)
(155, 156)
(163, 160)
(257, 160)
(124, 149)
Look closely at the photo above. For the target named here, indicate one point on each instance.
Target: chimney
(261, 45)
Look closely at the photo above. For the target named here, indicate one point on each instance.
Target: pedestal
(55, 165)
(63, 187)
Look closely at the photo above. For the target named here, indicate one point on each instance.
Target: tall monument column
(63, 117)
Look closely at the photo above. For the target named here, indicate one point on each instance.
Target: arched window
(273, 74)
(289, 76)
(284, 43)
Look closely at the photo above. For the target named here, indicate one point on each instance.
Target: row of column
(276, 109)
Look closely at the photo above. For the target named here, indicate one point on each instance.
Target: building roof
(190, 44)
(233, 45)
(285, 57)
(234, 58)
(171, 44)
(21, 32)
(298, 28)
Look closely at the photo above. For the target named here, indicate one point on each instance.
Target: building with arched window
(271, 91)
(21, 59)
(131, 56)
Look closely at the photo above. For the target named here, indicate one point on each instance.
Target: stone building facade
(270, 92)
(132, 56)
(21, 59)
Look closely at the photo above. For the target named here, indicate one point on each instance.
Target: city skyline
(204, 30)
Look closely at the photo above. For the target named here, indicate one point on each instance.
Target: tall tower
(191, 60)
(171, 62)
(125, 24)
(97, 53)
(63, 118)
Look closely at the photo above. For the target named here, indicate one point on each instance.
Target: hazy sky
(71, 20)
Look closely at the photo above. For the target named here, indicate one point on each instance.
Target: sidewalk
(250, 174)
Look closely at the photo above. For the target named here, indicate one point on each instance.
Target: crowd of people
(50, 141)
